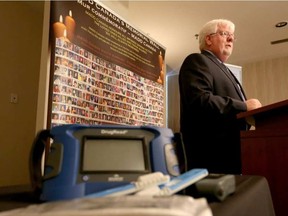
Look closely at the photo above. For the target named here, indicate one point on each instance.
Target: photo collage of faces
(90, 90)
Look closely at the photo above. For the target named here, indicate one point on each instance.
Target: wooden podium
(264, 150)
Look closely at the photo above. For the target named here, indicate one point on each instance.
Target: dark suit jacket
(210, 98)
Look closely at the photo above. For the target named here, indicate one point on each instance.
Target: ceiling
(175, 23)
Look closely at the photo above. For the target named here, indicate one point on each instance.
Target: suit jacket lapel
(228, 73)
(240, 89)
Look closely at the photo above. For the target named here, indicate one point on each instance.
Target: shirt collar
(214, 56)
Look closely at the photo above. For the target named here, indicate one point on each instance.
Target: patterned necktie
(236, 80)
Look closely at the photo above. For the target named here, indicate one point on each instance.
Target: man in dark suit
(210, 99)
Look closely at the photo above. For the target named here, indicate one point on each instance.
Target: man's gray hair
(212, 27)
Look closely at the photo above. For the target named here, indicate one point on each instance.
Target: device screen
(113, 155)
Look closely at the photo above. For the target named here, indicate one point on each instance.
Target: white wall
(21, 36)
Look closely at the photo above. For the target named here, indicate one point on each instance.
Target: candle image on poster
(103, 70)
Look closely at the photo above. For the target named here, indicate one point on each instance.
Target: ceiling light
(281, 24)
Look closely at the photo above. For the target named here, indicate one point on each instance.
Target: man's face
(221, 42)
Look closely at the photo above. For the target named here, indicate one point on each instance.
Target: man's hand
(253, 104)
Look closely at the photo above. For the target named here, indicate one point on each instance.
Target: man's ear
(208, 41)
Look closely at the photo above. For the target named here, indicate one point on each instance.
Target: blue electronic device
(84, 159)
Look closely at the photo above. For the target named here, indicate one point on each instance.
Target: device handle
(35, 161)
(180, 152)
